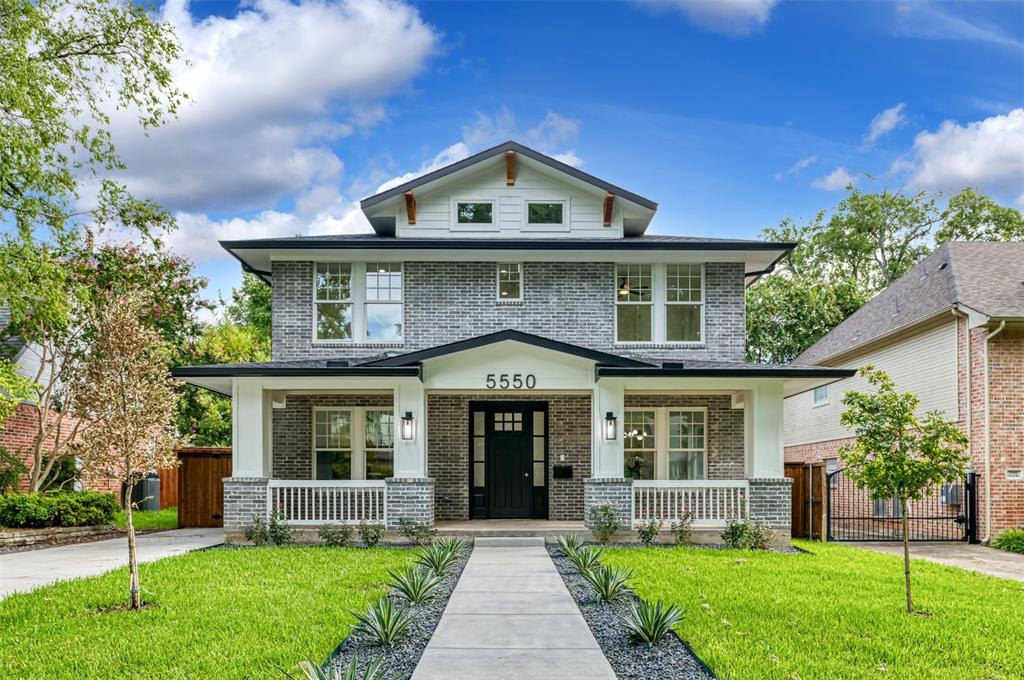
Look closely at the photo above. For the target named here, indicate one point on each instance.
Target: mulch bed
(401, 660)
(671, 658)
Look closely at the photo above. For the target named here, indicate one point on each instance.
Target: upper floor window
(474, 212)
(545, 213)
(821, 395)
(659, 303)
(510, 281)
(358, 302)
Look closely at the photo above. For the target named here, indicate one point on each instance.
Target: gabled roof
(986, 277)
(414, 358)
(498, 151)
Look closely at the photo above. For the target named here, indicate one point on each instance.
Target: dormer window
(545, 213)
(474, 212)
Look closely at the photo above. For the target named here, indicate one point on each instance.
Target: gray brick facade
(771, 502)
(244, 498)
(617, 492)
(411, 499)
(448, 301)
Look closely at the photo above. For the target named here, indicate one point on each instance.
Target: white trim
(659, 308)
(564, 225)
(455, 225)
(661, 438)
(693, 483)
(312, 483)
(357, 441)
(497, 281)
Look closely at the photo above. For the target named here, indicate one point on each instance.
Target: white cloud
(270, 88)
(835, 180)
(988, 154)
(796, 167)
(934, 21)
(732, 17)
(885, 122)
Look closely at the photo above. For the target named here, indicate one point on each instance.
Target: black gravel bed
(400, 661)
(671, 659)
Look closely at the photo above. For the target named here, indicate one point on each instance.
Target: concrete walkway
(978, 558)
(25, 571)
(511, 616)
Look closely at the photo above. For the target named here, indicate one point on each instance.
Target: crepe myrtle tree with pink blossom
(897, 454)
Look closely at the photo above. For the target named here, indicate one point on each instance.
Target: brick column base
(614, 491)
(244, 498)
(771, 501)
(410, 498)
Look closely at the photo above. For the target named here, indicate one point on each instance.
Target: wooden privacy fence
(200, 487)
(168, 487)
(809, 491)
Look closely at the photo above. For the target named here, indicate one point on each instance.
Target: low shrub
(747, 534)
(416, 533)
(1011, 540)
(370, 533)
(312, 671)
(272, 531)
(585, 559)
(416, 584)
(12, 469)
(57, 509)
(682, 528)
(610, 583)
(336, 536)
(649, 531)
(384, 622)
(649, 623)
(604, 522)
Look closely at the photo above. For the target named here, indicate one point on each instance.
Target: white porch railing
(711, 501)
(328, 501)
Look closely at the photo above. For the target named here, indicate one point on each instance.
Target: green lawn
(165, 518)
(219, 614)
(835, 613)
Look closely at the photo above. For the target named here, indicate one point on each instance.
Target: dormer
(508, 191)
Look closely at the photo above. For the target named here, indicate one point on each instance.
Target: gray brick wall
(448, 451)
(448, 301)
(617, 492)
(771, 502)
(724, 436)
(411, 499)
(244, 498)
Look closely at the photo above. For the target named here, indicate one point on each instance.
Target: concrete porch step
(507, 541)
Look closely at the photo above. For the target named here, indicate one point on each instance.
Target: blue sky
(731, 115)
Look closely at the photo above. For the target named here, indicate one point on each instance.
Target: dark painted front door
(509, 462)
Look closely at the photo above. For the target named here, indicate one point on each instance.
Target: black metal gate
(948, 513)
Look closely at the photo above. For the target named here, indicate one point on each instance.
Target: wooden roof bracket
(410, 206)
(510, 168)
(609, 198)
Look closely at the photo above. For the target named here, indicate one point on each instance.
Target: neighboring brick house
(952, 331)
(508, 344)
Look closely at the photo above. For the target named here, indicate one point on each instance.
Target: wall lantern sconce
(610, 426)
(408, 426)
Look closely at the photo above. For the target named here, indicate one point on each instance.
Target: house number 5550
(515, 381)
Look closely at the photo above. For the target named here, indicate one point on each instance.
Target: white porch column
(411, 455)
(249, 429)
(607, 457)
(767, 420)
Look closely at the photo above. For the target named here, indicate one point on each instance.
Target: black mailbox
(563, 472)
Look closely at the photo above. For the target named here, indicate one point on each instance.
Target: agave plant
(384, 623)
(647, 622)
(416, 585)
(610, 583)
(586, 559)
(568, 545)
(312, 671)
(453, 545)
(437, 558)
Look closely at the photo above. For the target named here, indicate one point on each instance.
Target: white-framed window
(353, 442)
(665, 443)
(357, 302)
(659, 303)
(474, 213)
(634, 303)
(551, 214)
(510, 281)
(821, 397)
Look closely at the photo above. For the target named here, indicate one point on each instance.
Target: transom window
(545, 213)
(665, 443)
(357, 302)
(659, 303)
(353, 443)
(474, 212)
(510, 281)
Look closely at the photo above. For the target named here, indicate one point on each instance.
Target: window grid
(686, 444)
(510, 281)
(358, 302)
(332, 443)
(640, 431)
(684, 301)
(353, 443)
(675, 446)
(538, 448)
(332, 283)
(380, 443)
(508, 422)
(633, 303)
(383, 302)
(479, 447)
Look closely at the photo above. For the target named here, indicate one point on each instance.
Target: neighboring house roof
(986, 277)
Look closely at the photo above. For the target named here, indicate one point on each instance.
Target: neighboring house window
(641, 450)
(545, 213)
(357, 302)
(832, 466)
(821, 395)
(333, 295)
(634, 303)
(686, 444)
(353, 443)
(510, 281)
(474, 212)
(684, 302)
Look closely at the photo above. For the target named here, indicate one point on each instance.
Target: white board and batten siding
(925, 363)
(583, 210)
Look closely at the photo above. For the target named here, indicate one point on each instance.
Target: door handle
(526, 474)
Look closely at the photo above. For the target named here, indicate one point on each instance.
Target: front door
(509, 462)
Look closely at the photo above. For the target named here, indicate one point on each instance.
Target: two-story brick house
(508, 344)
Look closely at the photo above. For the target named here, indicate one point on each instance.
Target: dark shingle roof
(376, 241)
(986, 276)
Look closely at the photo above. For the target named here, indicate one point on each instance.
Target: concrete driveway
(25, 571)
(978, 558)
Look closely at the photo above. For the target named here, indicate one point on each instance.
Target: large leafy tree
(868, 241)
(896, 454)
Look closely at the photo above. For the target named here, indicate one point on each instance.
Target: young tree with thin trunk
(896, 454)
(126, 392)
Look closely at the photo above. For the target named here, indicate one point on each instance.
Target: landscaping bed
(670, 658)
